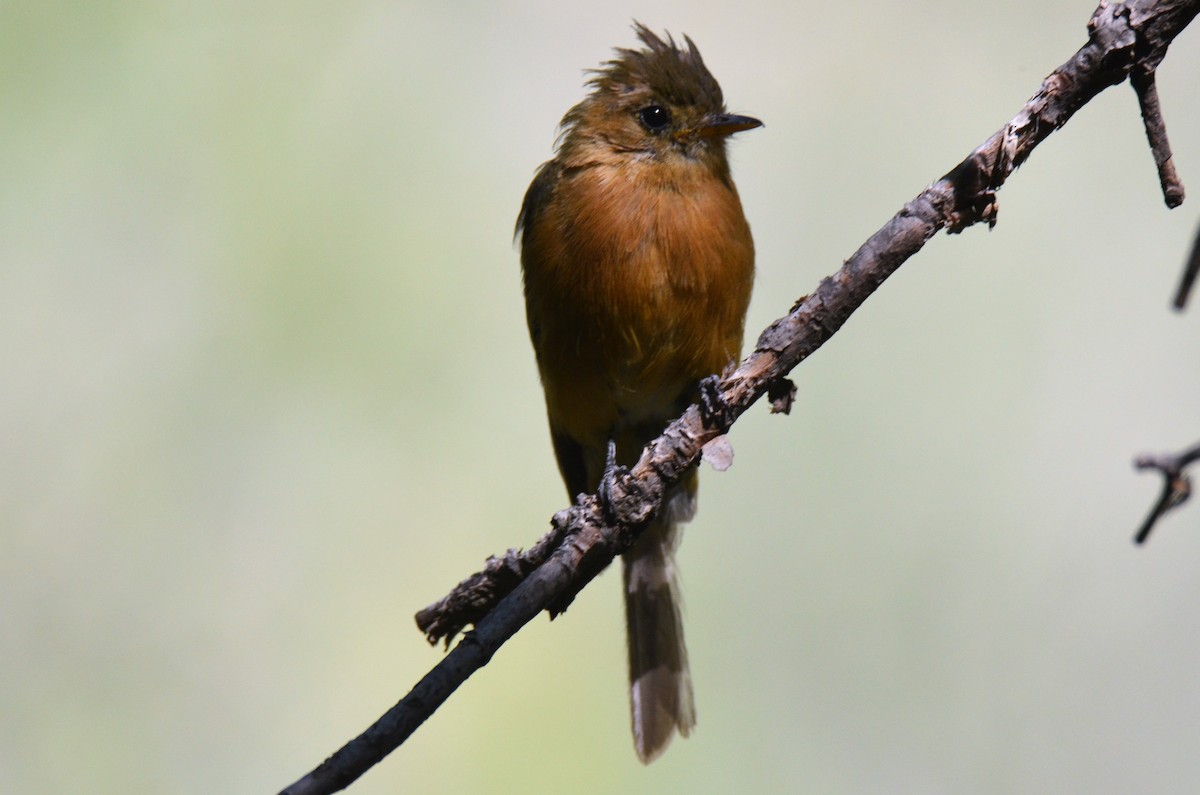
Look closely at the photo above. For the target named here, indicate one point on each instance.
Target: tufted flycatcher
(638, 264)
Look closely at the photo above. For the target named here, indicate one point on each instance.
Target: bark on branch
(1124, 38)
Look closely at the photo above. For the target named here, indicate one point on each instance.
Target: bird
(637, 264)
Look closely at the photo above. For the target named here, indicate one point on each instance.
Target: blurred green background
(267, 391)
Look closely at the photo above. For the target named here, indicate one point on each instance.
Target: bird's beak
(722, 124)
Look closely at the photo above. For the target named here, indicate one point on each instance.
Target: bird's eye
(656, 118)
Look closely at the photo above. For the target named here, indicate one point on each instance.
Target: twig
(1156, 133)
(475, 596)
(474, 651)
(1177, 486)
(1190, 271)
(586, 537)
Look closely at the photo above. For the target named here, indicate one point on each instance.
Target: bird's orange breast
(637, 279)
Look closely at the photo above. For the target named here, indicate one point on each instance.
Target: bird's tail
(660, 686)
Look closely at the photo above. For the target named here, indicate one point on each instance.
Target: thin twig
(1156, 133)
(1190, 271)
(1177, 486)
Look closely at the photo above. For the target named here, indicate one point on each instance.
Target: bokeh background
(267, 390)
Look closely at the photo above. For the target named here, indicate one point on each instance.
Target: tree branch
(1177, 486)
(1144, 84)
(585, 538)
(1190, 271)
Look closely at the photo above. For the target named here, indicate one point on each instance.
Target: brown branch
(474, 597)
(586, 537)
(1177, 486)
(1156, 133)
(1150, 55)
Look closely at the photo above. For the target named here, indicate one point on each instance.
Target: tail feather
(660, 685)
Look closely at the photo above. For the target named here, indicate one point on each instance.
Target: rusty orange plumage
(638, 263)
